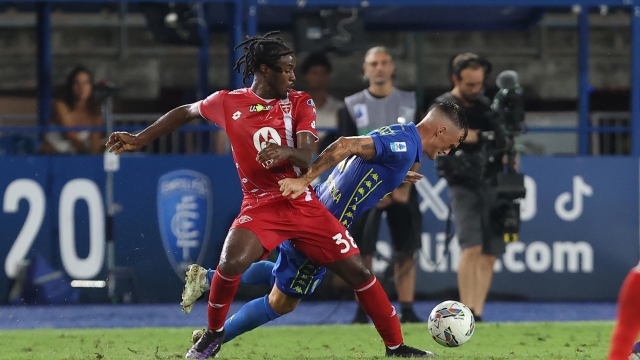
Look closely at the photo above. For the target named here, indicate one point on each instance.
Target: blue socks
(257, 274)
(253, 314)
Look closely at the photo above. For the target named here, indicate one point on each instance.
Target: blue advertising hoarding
(578, 238)
(579, 235)
(50, 210)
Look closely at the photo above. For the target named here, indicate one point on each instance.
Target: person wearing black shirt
(471, 202)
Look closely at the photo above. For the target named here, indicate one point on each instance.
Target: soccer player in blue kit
(368, 169)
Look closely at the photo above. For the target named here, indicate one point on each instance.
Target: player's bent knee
(233, 267)
(281, 303)
(351, 270)
(241, 248)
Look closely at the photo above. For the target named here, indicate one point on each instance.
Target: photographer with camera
(486, 215)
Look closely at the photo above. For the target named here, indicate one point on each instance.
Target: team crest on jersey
(264, 136)
(260, 107)
(311, 103)
(185, 209)
(399, 146)
(286, 107)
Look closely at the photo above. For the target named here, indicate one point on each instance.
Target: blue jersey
(357, 185)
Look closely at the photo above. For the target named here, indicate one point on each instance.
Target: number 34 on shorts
(345, 244)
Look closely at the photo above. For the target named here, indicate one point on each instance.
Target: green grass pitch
(544, 340)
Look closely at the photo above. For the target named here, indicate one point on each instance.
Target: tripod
(122, 282)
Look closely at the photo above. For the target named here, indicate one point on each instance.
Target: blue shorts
(295, 274)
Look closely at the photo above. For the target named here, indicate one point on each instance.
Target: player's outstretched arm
(361, 146)
(120, 142)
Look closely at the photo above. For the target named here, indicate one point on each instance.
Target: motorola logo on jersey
(264, 136)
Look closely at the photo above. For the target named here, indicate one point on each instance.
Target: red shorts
(308, 224)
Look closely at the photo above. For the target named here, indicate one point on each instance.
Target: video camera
(509, 103)
(476, 169)
(507, 115)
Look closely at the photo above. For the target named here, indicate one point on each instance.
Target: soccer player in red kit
(271, 128)
(627, 327)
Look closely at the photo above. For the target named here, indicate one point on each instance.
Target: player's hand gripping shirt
(251, 123)
(356, 184)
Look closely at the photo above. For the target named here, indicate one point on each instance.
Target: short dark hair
(261, 49)
(469, 60)
(315, 59)
(456, 115)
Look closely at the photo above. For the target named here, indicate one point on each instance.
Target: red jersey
(251, 123)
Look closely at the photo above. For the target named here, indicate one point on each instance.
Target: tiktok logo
(580, 190)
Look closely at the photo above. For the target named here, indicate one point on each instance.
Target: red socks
(627, 326)
(376, 304)
(223, 289)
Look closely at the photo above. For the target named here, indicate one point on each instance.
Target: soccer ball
(451, 323)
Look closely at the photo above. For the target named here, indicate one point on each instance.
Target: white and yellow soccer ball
(451, 323)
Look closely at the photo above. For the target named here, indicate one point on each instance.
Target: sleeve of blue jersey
(394, 148)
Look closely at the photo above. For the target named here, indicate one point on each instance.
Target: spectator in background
(316, 71)
(379, 105)
(77, 107)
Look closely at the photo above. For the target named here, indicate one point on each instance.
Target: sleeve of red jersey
(306, 116)
(212, 108)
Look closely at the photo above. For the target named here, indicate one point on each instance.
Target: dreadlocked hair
(261, 49)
